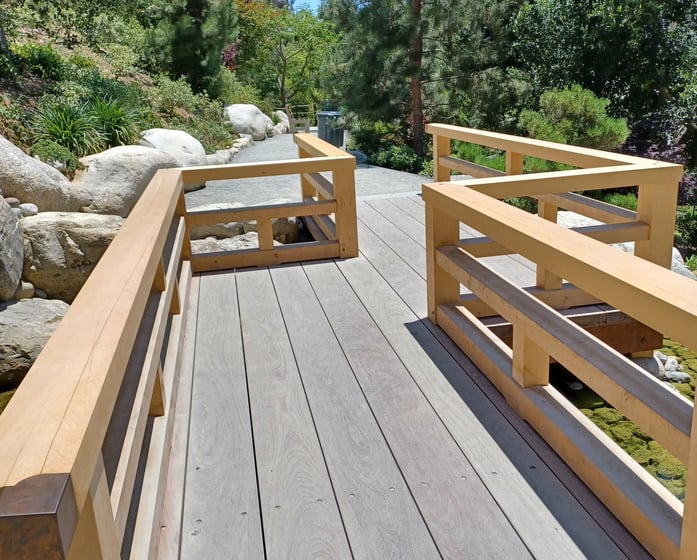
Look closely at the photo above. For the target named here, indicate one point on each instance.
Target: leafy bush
(177, 106)
(48, 152)
(524, 203)
(71, 126)
(227, 88)
(654, 138)
(119, 124)
(371, 137)
(574, 116)
(691, 263)
(40, 60)
(480, 155)
(401, 158)
(686, 230)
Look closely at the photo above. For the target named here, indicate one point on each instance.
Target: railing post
(441, 147)
(345, 218)
(514, 163)
(543, 277)
(307, 190)
(95, 536)
(441, 229)
(656, 206)
(530, 362)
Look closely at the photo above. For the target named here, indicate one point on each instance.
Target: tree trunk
(415, 60)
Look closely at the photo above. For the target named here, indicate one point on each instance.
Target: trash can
(330, 128)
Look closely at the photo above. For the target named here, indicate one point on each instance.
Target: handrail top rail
(562, 153)
(87, 345)
(572, 255)
(644, 172)
(316, 147)
(266, 169)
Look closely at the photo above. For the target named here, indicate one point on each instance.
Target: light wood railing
(99, 395)
(84, 441)
(334, 237)
(594, 272)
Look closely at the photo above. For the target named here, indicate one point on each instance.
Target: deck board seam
(420, 240)
(364, 224)
(561, 471)
(188, 427)
(251, 420)
(430, 403)
(312, 414)
(370, 406)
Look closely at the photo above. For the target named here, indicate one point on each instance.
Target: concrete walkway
(370, 180)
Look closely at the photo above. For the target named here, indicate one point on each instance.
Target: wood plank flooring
(329, 419)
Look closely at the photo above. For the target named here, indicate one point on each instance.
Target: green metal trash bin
(330, 128)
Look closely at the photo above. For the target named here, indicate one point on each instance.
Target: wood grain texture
(439, 475)
(171, 521)
(381, 518)
(221, 517)
(545, 514)
(300, 513)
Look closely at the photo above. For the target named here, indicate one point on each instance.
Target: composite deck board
(300, 513)
(330, 419)
(221, 517)
(173, 503)
(511, 266)
(549, 520)
(379, 513)
(439, 475)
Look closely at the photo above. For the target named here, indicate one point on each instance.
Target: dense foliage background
(77, 76)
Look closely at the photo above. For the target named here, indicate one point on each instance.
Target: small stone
(40, 294)
(677, 376)
(28, 209)
(653, 365)
(671, 364)
(25, 290)
(17, 212)
(12, 201)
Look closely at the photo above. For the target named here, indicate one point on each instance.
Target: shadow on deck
(329, 419)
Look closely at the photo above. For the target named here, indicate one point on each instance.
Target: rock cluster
(54, 231)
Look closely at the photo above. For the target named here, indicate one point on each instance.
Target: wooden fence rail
(101, 396)
(642, 288)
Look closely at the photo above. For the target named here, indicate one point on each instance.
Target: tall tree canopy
(282, 53)
(409, 60)
(628, 51)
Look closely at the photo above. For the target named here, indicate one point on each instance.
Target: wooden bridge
(342, 404)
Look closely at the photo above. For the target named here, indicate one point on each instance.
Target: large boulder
(11, 253)
(25, 326)
(212, 245)
(62, 249)
(114, 180)
(30, 180)
(248, 119)
(184, 148)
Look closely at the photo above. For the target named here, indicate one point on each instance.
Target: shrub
(48, 152)
(686, 230)
(71, 126)
(574, 116)
(118, 123)
(401, 158)
(176, 105)
(371, 137)
(40, 60)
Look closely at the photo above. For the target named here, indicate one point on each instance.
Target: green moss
(585, 399)
(5, 398)
(607, 415)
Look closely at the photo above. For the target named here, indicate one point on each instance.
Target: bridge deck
(328, 418)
